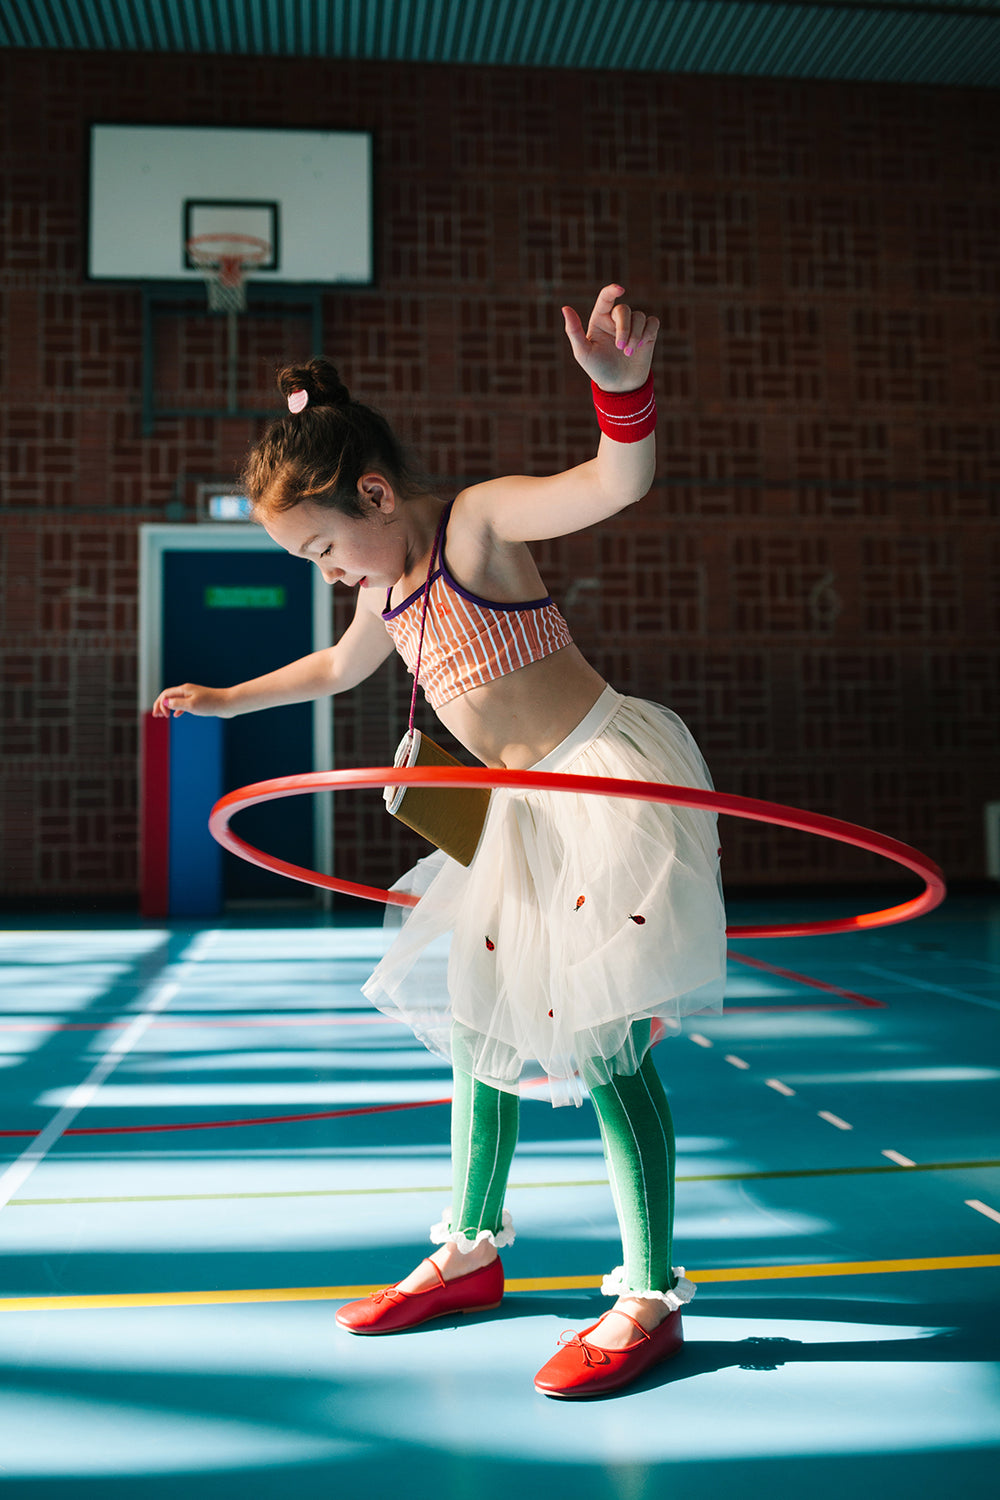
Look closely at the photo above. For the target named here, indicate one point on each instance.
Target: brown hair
(321, 453)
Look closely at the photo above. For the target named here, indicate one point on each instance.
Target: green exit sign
(218, 596)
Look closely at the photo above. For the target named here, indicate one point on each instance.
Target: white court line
(701, 1041)
(925, 984)
(825, 1114)
(899, 1158)
(982, 1208)
(779, 1087)
(737, 1062)
(21, 1169)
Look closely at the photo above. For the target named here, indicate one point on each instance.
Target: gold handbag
(450, 817)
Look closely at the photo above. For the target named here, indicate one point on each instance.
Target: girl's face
(369, 551)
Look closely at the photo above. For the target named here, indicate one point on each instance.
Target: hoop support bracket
(171, 299)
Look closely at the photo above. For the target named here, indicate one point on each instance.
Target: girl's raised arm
(616, 351)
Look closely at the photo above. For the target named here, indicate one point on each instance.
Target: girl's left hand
(617, 349)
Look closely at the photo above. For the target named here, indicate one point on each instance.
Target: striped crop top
(470, 641)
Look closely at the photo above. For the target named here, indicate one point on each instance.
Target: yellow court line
(849, 1268)
(523, 1284)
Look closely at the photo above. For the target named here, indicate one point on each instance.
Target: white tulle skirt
(579, 916)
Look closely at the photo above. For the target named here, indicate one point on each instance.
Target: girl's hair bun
(320, 381)
(322, 447)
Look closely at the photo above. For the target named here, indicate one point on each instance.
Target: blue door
(227, 617)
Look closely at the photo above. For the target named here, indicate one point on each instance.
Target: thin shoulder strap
(423, 616)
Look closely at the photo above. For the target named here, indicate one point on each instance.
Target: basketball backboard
(307, 193)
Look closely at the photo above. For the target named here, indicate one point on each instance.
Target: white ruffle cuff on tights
(675, 1299)
(443, 1234)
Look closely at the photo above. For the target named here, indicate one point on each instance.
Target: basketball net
(225, 261)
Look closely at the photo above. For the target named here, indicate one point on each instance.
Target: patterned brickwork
(68, 725)
(813, 582)
(191, 366)
(833, 244)
(911, 586)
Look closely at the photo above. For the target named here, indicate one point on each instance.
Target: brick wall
(813, 582)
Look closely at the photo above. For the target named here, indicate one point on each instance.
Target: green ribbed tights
(638, 1138)
(637, 1133)
(484, 1123)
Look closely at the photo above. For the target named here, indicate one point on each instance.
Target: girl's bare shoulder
(480, 558)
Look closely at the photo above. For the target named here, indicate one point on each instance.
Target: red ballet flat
(582, 1369)
(390, 1310)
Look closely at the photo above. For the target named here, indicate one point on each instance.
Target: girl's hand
(191, 699)
(617, 349)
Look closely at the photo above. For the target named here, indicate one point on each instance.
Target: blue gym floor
(209, 1140)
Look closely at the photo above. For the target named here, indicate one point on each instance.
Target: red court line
(852, 996)
(816, 984)
(329, 1114)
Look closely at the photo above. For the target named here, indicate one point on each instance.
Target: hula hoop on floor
(641, 791)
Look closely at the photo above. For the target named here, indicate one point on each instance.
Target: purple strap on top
(423, 619)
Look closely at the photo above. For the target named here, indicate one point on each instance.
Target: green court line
(938, 1166)
(926, 1166)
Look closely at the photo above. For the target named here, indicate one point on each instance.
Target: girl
(582, 922)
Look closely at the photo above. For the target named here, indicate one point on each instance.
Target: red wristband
(628, 416)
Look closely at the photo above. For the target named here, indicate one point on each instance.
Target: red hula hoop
(641, 791)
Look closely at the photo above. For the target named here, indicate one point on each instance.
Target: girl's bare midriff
(520, 718)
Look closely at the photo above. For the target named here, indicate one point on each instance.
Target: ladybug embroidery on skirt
(579, 902)
(639, 921)
(490, 945)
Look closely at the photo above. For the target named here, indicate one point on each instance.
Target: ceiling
(903, 41)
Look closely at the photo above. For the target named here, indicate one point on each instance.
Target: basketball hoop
(225, 260)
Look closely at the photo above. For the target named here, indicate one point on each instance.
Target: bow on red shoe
(391, 1310)
(592, 1353)
(387, 1294)
(581, 1368)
